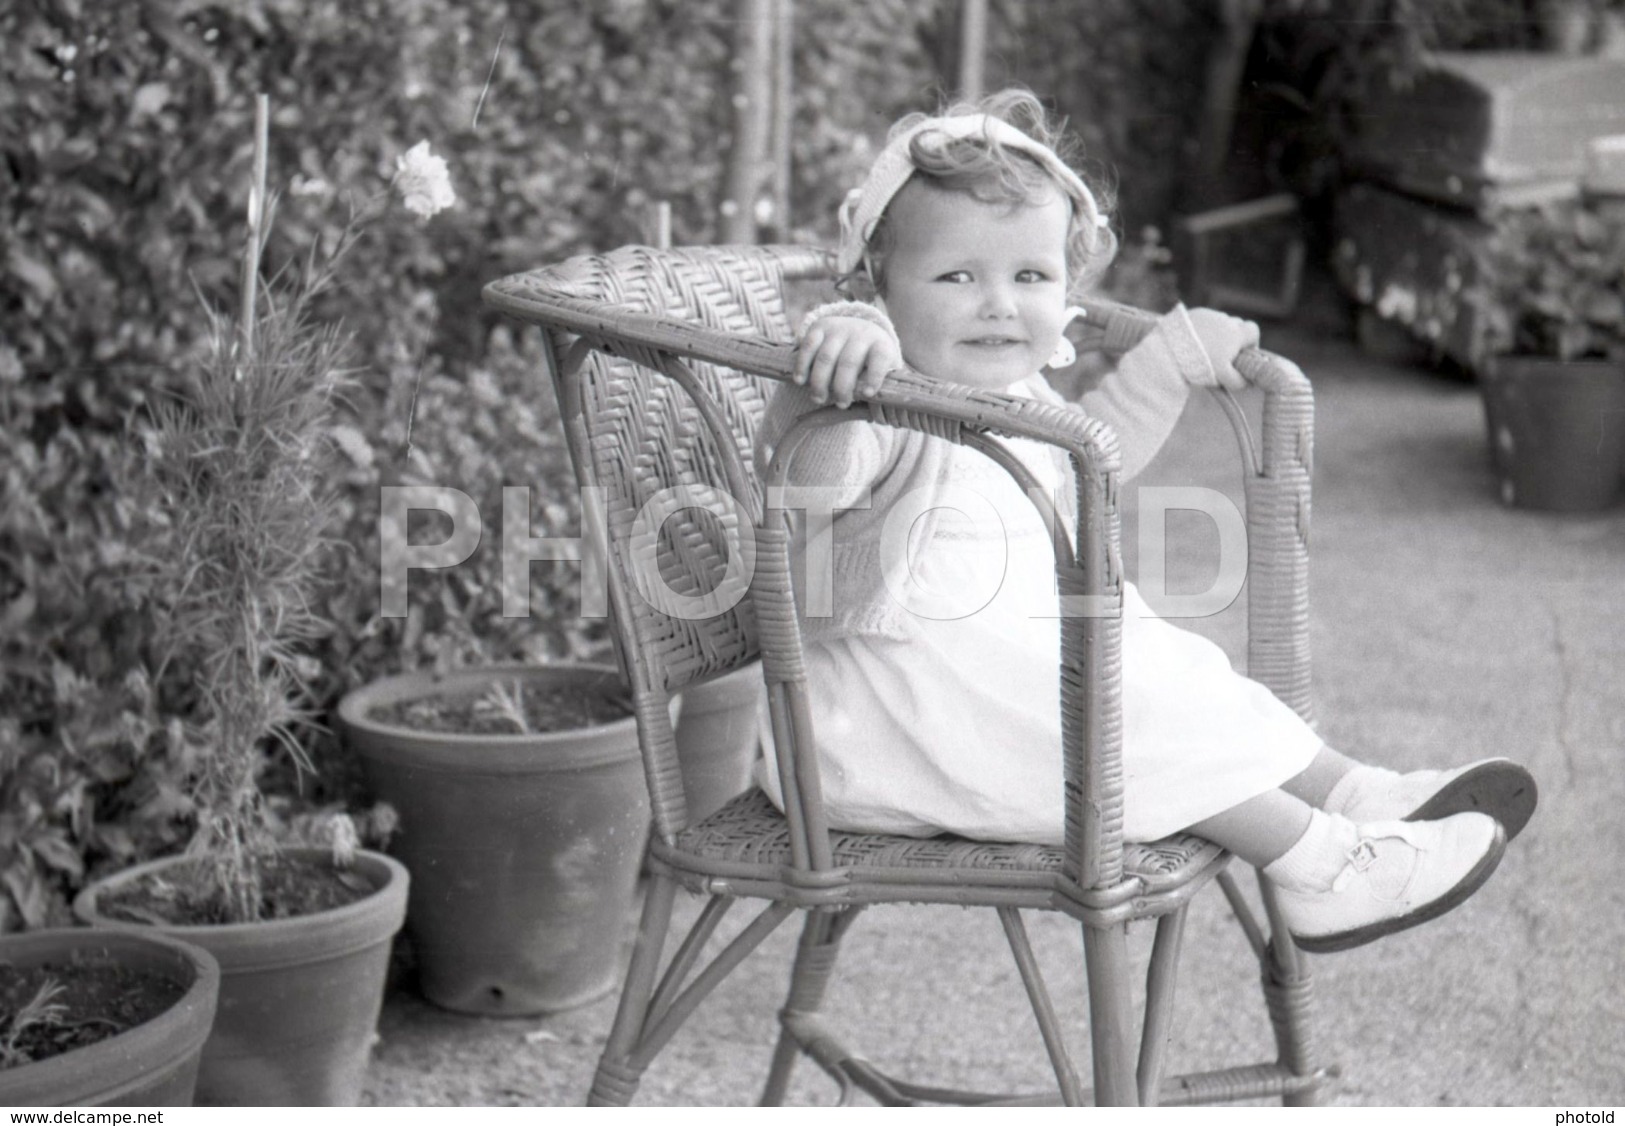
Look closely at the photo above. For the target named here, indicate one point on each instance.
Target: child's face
(976, 291)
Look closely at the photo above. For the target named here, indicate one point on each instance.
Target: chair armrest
(1090, 579)
(1277, 488)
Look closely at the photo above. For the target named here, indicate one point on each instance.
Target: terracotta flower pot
(299, 997)
(525, 849)
(151, 1064)
(1557, 431)
(717, 738)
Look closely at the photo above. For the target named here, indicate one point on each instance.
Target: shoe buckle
(1362, 856)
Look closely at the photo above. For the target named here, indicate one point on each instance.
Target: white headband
(863, 206)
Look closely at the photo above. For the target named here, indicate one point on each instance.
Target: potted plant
(718, 732)
(1549, 294)
(236, 548)
(102, 1018)
(523, 817)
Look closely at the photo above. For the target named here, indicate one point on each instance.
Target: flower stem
(256, 220)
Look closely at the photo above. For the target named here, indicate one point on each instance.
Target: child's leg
(1320, 777)
(1260, 830)
(1339, 784)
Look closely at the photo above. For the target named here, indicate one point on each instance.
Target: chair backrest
(662, 447)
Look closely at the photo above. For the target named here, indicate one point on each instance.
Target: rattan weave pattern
(632, 410)
(749, 830)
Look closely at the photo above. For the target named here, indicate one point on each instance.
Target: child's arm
(1144, 396)
(843, 349)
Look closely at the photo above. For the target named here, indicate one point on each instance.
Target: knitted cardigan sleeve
(865, 467)
(862, 310)
(1143, 397)
(848, 457)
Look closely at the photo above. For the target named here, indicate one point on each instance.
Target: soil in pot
(291, 886)
(508, 707)
(74, 1002)
(125, 1027)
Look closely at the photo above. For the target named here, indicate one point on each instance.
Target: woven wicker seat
(750, 831)
(662, 361)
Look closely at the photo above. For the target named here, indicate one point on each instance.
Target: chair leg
(1049, 1028)
(1111, 1014)
(809, 980)
(616, 1080)
(1160, 981)
(1289, 995)
(778, 1076)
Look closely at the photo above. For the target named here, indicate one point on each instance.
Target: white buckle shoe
(1399, 874)
(1496, 786)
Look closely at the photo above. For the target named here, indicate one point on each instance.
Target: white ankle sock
(1320, 854)
(1355, 785)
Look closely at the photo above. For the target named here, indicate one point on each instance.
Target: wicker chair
(662, 361)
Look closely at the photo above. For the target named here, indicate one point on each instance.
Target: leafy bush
(1550, 281)
(89, 771)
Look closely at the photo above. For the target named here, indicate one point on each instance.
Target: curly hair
(988, 171)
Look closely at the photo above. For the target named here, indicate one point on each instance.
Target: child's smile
(976, 291)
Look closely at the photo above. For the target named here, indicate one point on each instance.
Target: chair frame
(597, 321)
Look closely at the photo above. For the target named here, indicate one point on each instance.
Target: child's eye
(1032, 276)
(959, 277)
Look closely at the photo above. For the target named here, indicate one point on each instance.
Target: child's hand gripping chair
(662, 361)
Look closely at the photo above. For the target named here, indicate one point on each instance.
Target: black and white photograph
(685, 553)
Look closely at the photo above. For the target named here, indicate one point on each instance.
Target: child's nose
(998, 301)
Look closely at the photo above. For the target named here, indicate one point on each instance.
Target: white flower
(309, 185)
(423, 181)
(354, 444)
(1397, 303)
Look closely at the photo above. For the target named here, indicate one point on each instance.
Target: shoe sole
(1471, 882)
(1499, 787)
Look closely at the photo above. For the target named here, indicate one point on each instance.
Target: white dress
(957, 728)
